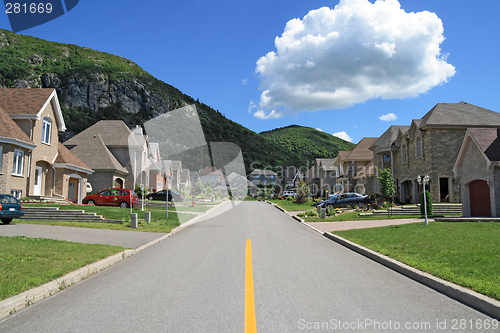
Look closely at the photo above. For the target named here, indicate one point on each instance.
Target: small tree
(387, 186)
(428, 199)
(302, 192)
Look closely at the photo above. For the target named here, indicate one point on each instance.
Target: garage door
(479, 193)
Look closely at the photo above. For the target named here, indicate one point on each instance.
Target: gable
(30, 103)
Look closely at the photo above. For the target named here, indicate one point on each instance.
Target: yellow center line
(250, 323)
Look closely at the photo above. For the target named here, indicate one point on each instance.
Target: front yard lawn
(159, 222)
(465, 253)
(288, 205)
(27, 263)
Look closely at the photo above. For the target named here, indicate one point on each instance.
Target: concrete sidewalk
(346, 225)
(123, 238)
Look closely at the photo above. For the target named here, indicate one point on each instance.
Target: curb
(485, 304)
(15, 303)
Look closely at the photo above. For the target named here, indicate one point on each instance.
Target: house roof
(114, 133)
(366, 171)
(389, 137)
(342, 155)
(207, 170)
(97, 156)
(29, 104)
(488, 140)
(265, 172)
(10, 132)
(65, 158)
(360, 152)
(184, 176)
(176, 165)
(460, 114)
(327, 163)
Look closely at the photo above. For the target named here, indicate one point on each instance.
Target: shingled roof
(10, 132)
(67, 159)
(488, 140)
(97, 155)
(389, 137)
(360, 152)
(29, 103)
(460, 114)
(114, 133)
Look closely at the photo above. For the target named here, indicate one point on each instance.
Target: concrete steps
(438, 209)
(54, 214)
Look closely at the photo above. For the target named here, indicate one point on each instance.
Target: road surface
(194, 281)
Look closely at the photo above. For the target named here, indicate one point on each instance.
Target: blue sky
(210, 49)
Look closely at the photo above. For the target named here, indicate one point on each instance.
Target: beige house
(106, 147)
(41, 168)
(478, 168)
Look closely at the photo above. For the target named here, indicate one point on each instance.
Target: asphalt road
(194, 281)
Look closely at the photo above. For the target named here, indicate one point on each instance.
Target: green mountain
(93, 85)
(308, 142)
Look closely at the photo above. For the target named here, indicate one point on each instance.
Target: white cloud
(244, 81)
(334, 58)
(276, 113)
(388, 117)
(343, 135)
(319, 129)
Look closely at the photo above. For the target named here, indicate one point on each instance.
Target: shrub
(428, 199)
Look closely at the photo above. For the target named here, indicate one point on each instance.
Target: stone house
(321, 177)
(210, 176)
(157, 175)
(34, 164)
(118, 156)
(430, 146)
(478, 168)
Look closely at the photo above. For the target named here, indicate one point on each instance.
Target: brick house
(34, 164)
(478, 168)
(430, 146)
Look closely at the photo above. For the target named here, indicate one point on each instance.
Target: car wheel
(6, 221)
(329, 206)
(91, 202)
(172, 200)
(150, 198)
(123, 204)
(361, 205)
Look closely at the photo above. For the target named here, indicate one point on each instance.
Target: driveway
(123, 238)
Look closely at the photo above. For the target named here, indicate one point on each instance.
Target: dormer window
(46, 130)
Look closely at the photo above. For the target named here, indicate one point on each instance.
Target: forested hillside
(308, 142)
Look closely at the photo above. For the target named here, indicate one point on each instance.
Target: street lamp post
(424, 181)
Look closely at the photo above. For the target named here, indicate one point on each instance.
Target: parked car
(161, 195)
(345, 199)
(113, 197)
(289, 194)
(10, 208)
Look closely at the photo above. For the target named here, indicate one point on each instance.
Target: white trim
(72, 167)
(17, 142)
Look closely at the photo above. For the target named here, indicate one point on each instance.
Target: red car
(112, 197)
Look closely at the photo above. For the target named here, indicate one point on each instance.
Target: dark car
(116, 197)
(161, 195)
(345, 199)
(10, 208)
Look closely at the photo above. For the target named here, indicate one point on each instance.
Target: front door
(37, 188)
(72, 195)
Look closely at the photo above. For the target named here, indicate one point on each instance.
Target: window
(405, 153)
(418, 147)
(16, 193)
(47, 124)
(387, 158)
(18, 162)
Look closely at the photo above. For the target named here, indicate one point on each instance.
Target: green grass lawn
(159, 222)
(465, 253)
(26, 263)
